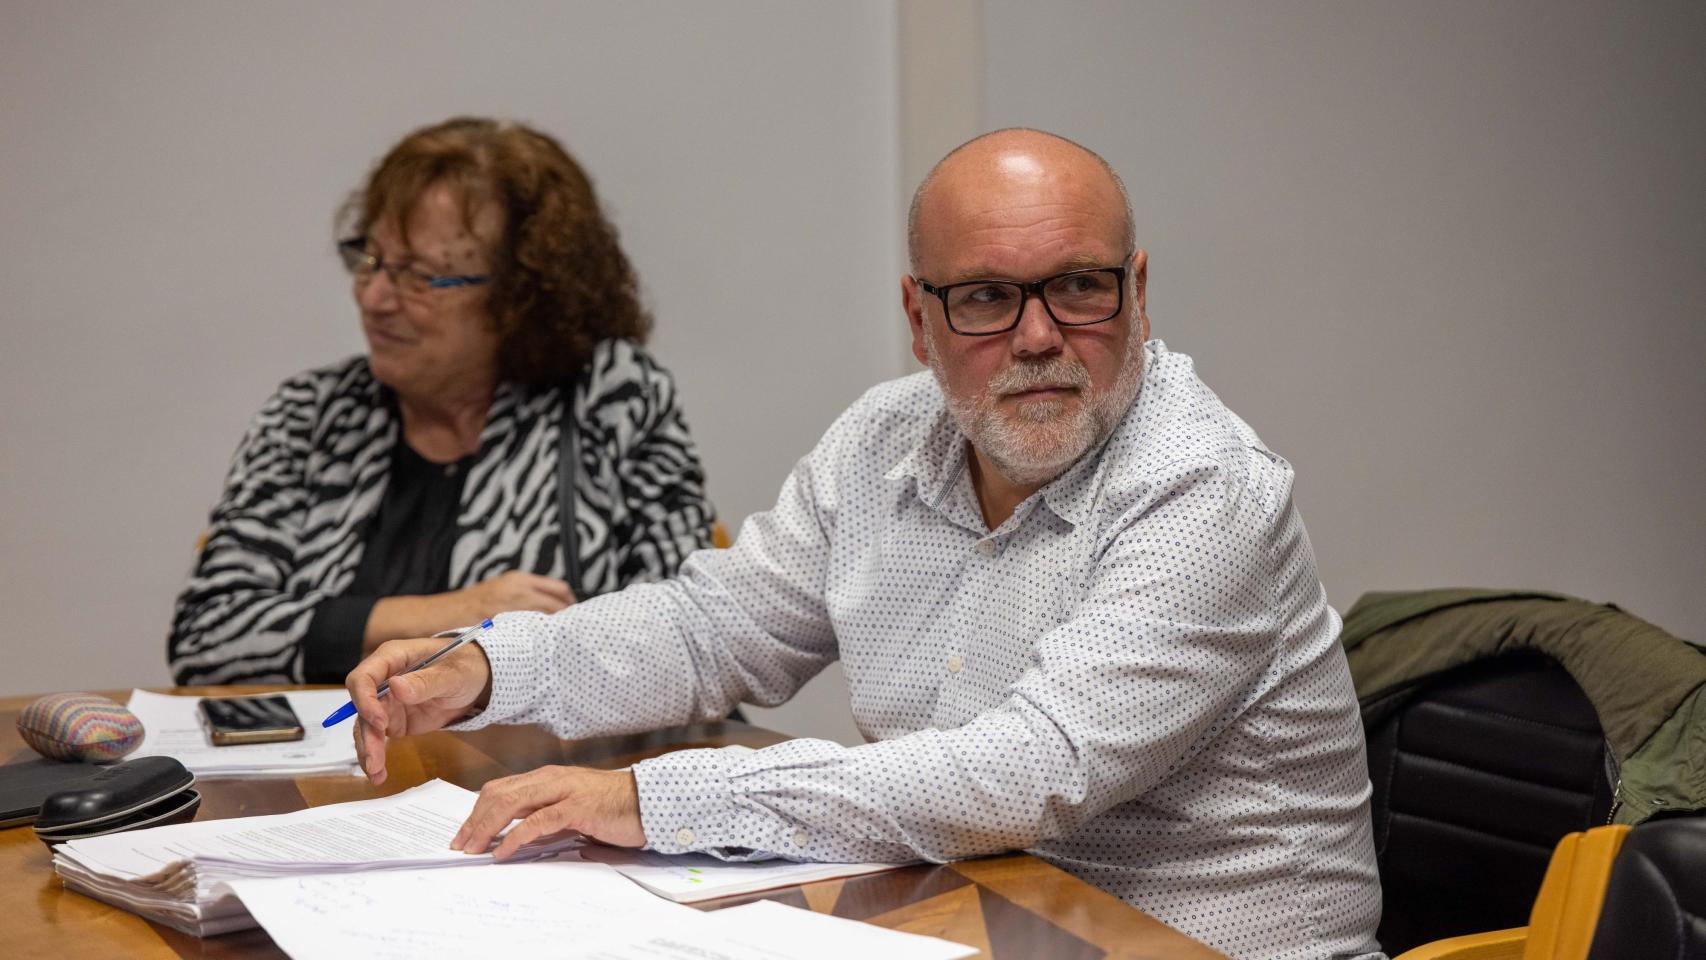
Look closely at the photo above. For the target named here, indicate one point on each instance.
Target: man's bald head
(1013, 148)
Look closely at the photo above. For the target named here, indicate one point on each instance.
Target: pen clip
(462, 636)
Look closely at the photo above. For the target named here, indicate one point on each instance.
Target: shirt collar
(935, 462)
(1071, 495)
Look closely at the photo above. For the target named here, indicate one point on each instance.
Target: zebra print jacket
(310, 472)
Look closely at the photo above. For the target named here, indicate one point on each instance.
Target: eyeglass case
(144, 792)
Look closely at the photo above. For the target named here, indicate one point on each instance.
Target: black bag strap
(568, 457)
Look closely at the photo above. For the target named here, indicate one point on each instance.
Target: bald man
(1076, 607)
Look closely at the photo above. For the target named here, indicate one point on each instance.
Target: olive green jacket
(1648, 687)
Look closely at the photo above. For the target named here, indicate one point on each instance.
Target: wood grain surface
(1011, 907)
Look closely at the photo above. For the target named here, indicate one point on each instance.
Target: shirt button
(955, 663)
(684, 837)
(986, 547)
(799, 838)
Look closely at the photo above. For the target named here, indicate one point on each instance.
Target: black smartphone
(236, 720)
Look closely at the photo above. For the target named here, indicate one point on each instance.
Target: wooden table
(1009, 906)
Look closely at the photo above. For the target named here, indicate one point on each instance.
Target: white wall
(168, 175)
(1448, 258)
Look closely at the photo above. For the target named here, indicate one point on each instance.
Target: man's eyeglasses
(1077, 298)
(363, 264)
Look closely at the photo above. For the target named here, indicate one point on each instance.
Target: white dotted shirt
(1136, 677)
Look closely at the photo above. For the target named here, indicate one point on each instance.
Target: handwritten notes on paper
(691, 877)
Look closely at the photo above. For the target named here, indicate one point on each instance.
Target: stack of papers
(371, 879)
(559, 909)
(178, 875)
(172, 728)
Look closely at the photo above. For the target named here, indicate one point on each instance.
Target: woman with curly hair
(425, 485)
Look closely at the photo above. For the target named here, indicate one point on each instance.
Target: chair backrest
(1561, 925)
(1655, 904)
(1477, 775)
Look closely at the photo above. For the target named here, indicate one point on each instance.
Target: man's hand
(419, 702)
(603, 804)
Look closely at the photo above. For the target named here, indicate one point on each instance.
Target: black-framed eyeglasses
(363, 264)
(1076, 298)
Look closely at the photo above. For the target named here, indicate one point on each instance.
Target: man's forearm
(653, 655)
(598, 668)
(933, 795)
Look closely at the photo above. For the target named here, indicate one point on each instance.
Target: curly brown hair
(560, 281)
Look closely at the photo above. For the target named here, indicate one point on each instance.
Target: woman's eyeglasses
(363, 264)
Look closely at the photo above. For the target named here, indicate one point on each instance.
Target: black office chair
(1655, 903)
(1477, 774)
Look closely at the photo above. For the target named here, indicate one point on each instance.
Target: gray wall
(168, 174)
(1447, 258)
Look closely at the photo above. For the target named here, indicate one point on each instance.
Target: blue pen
(348, 710)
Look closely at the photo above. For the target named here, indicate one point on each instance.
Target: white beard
(1041, 438)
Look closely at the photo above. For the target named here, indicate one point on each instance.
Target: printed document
(692, 877)
(559, 909)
